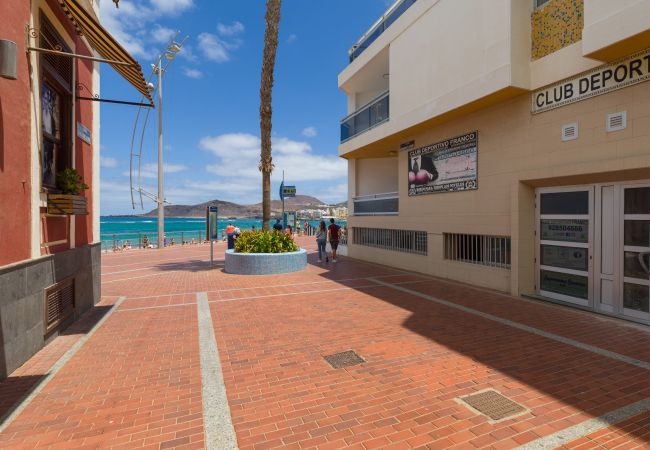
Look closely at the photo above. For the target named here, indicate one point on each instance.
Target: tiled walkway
(137, 381)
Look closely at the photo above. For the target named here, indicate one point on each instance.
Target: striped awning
(106, 45)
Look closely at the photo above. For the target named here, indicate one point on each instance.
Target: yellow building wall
(556, 25)
(517, 152)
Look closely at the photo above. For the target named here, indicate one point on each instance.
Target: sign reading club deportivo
(635, 69)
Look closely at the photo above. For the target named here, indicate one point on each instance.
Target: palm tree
(272, 20)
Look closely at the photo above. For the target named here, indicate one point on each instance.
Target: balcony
(386, 204)
(385, 21)
(366, 118)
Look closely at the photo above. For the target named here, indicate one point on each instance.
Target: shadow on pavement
(572, 377)
(14, 389)
(196, 265)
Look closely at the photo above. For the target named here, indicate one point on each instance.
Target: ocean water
(115, 231)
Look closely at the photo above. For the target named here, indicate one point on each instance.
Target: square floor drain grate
(344, 359)
(493, 405)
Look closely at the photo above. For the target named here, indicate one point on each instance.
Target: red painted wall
(16, 209)
(15, 142)
(84, 151)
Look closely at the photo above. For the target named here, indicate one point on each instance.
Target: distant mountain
(228, 209)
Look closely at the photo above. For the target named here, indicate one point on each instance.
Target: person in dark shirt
(278, 225)
(333, 231)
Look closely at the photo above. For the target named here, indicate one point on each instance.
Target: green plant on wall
(265, 242)
(70, 182)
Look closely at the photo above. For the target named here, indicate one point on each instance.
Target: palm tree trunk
(272, 20)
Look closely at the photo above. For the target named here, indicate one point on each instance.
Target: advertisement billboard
(446, 166)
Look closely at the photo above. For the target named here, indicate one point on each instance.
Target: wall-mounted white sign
(83, 133)
(632, 70)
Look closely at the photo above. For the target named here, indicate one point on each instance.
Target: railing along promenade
(117, 242)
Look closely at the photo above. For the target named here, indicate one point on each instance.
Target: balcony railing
(386, 204)
(367, 117)
(379, 27)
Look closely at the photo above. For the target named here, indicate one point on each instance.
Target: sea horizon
(116, 230)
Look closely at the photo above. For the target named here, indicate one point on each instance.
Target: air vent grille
(59, 303)
(617, 121)
(570, 132)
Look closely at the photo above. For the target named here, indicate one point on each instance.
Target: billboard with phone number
(446, 166)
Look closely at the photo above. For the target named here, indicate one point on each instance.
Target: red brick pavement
(137, 382)
(631, 433)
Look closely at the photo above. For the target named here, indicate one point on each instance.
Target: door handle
(641, 258)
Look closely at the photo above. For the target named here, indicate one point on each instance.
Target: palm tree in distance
(272, 20)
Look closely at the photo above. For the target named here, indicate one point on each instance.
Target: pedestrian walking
(278, 225)
(333, 231)
(321, 241)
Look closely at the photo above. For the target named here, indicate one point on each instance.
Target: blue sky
(211, 98)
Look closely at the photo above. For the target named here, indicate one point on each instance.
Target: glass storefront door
(636, 251)
(593, 247)
(565, 239)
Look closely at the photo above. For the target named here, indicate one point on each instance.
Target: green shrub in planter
(265, 242)
(70, 182)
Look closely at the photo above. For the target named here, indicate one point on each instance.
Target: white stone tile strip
(320, 291)
(521, 326)
(332, 281)
(155, 307)
(587, 427)
(10, 416)
(217, 423)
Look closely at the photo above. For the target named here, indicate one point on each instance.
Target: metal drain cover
(493, 404)
(344, 359)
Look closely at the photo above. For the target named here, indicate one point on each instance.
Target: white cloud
(107, 162)
(292, 38)
(309, 132)
(213, 47)
(129, 23)
(334, 194)
(239, 153)
(233, 29)
(150, 170)
(217, 47)
(171, 7)
(161, 34)
(192, 73)
(187, 52)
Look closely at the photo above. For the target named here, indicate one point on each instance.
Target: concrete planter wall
(265, 263)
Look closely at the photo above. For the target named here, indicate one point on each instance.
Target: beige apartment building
(506, 144)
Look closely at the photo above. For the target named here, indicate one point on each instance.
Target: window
(56, 104)
(540, 3)
(406, 241)
(493, 251)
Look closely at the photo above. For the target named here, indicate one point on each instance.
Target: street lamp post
(168, 54)
(161, 172)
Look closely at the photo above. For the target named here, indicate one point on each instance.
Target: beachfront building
(50, 52)
(506, 144)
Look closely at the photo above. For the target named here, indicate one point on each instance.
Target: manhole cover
(493, 405)
(344, 359)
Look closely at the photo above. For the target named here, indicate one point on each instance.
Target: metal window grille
(492, 251)
(407, 241)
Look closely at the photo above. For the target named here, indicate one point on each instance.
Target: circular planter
(265, 263)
